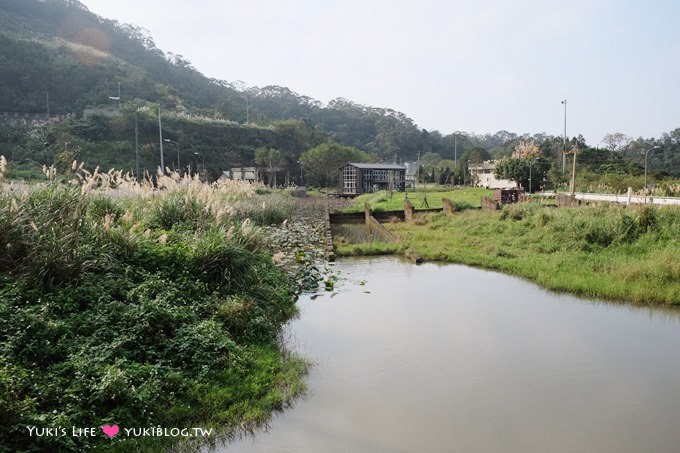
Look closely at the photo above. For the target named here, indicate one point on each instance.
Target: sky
(477, 66)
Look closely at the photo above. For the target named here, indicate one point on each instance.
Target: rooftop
(377, 166)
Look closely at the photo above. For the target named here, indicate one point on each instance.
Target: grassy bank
(382, 201)
(627, 254)
(157, 310)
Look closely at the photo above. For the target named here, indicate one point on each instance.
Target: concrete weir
(372, 222)
(375, 227)
(330, 253)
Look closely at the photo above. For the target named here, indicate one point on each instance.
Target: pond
(435, 358)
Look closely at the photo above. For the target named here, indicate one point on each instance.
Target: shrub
(50, 241)
(271, 209)
(100, 206)
(177, 210)
(519, 211)
(105, 318)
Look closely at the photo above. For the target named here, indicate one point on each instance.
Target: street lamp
(167, 140)
(160, 140)
(119, 100)
(301, 180)
(646, 153)
(564, 139)
(203, 159)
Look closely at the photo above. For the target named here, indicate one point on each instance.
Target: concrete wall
(448, 206)
(408, 210)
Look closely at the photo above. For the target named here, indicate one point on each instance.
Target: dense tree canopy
(322, 163)
(529, 173)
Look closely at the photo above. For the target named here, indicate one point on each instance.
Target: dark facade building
(358, 178)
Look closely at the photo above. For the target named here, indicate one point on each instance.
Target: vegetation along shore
(146, 308)
(124, 304)
(601, 251)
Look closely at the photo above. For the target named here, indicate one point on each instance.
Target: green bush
(178, 210)
(106, 319)
(270, 209)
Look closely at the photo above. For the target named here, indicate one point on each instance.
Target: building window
(349, 179)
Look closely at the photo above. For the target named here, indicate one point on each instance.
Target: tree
(322, 163)
(272, 159)
(526, 149)
(522, 170)
(616, 142)
(476, 155)
(446, 172)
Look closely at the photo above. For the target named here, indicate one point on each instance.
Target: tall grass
(3, 168)
(611, 252)
(122, 303)
(266, 209)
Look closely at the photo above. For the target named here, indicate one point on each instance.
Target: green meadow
(610, 252)
(384, 201)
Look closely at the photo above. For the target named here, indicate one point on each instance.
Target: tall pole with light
(119, 100)
(203, 159)
(574, 151)
(160, 139)
(564, 139)
(646, 154)
(415, 184)
(301, 180)
(167, 140)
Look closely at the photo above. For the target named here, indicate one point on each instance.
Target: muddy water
(446, 358)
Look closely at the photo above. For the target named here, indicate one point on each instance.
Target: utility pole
(139, 178)
(415, 184)
(573, 171)
(455, 157)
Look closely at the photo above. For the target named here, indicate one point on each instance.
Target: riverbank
(439, 358)
(159, 310)
(608, 252)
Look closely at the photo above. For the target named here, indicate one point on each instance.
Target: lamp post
(119, 100)
(415, 184)
(160, 140)
(167, 140)
(564, 139)
(647, 153)
(203, 159)
(302, 183)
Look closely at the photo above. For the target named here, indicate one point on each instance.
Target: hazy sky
(451, 65)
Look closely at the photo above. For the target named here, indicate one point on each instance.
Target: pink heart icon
(110, 430)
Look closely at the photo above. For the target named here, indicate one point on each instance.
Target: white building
(483, 176)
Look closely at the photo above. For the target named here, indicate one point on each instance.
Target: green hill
(58, 58)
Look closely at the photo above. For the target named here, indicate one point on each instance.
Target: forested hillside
(58, 58)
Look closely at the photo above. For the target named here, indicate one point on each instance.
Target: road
(627, 199)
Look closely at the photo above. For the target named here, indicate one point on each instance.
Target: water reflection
(450, 358)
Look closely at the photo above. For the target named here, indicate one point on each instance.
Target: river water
(447, 358)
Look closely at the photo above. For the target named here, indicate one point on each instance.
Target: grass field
(609, 252)
(382, 201)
